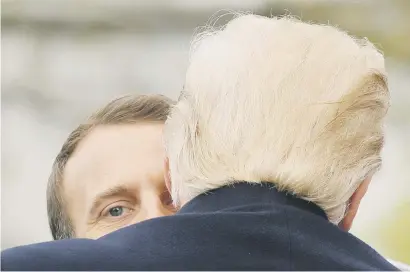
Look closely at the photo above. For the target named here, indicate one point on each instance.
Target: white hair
(282, 101)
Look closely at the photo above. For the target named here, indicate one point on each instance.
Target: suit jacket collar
(242, 193)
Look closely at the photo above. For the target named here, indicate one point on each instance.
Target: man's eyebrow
(110, 192)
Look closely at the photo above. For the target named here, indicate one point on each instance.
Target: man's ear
(353, 207)
(167, 176)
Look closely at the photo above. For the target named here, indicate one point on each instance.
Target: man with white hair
(271, 147)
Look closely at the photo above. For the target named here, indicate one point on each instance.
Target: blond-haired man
(271, 147)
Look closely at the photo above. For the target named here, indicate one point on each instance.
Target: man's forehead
(110, 138)
(111, 151)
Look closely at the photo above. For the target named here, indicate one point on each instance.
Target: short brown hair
(124, 110)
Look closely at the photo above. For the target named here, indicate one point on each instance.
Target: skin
(345, 224)
(355, 200)
(115, 179)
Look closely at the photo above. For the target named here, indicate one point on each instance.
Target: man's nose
(154, 207)
(155, 211)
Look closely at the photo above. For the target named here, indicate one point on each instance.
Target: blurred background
(61, 59)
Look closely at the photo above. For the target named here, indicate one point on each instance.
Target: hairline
(60, 222)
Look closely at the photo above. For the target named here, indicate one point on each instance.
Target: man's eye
(166, 198)
(117, 211)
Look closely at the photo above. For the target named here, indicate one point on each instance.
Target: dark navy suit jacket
(240, 227)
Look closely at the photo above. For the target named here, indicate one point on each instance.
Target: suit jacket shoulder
(243, 227)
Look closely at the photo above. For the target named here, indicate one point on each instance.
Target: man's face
(115, 178)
